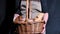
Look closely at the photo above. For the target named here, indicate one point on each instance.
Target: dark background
(7, 10)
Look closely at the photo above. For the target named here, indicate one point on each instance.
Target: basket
(33, 28)
(30, 27)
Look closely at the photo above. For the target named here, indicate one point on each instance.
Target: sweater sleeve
(44, 5)
(18, 7)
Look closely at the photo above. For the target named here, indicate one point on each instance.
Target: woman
(36, 9)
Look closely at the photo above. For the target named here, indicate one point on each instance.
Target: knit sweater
(36, 7)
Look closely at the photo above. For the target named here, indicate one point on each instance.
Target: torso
(34, 4)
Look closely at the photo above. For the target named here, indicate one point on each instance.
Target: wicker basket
(30, 28)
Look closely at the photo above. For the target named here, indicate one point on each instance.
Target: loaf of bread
(39, 17)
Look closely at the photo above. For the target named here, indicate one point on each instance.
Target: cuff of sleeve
(15, 16)
(46, 17)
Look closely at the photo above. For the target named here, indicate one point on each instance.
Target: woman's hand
(20, 20)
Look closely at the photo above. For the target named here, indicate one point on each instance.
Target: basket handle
(28, 10)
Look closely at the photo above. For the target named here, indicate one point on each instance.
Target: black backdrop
(7, 10)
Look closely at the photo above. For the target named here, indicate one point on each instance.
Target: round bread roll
(39, 17)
